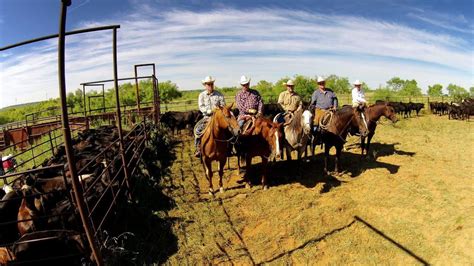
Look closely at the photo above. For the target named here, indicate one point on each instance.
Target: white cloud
(264, 43)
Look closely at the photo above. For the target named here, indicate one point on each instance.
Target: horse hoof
(265, 187)
(247, 185)
(221, 189)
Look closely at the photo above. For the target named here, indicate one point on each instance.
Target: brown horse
(336, 132)
(373, 114)
(215, 142)
(264, 139)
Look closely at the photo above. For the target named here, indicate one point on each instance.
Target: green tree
(410, 88)
(169, 91)
(435, 90)
(395, 84)
(457, 92)
(471, 91)
(338, 84)
(383, 93)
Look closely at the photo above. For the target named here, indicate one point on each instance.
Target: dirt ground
(412, 203)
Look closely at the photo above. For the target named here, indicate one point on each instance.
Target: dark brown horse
(373, 114)
(334, 135)
(264, 139)
(215, 142)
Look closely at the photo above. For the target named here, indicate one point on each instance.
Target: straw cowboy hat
(244, 80)
(321, 79)
(208, 79)
(357, 82)
(290, 82)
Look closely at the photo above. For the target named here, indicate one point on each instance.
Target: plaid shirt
(246, 100)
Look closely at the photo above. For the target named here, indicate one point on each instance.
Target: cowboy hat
(357, 82)
(290, 82)
(321, 79)
(244, 80)
(208, 79)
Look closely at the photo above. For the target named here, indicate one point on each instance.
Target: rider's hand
(208, 112)
(258, 115)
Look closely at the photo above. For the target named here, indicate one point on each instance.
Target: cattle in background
(270, 110)
(177, 121)
(439, 108)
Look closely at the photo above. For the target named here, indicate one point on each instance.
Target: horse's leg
(326, 157)
(369, 138)
(338, 156)
(248, 164)
(362, 146)
(221, 173)
(208, 168)
(288, 152)
(264, 173)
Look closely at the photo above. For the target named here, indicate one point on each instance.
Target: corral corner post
(67, 135)
(119, 115)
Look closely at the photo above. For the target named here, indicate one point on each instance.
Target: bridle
(229, 140)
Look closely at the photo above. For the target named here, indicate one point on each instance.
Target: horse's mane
(295, 123)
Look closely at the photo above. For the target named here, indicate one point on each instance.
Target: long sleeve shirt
(289, 101)
(246, 100)
(358, 96)
(208, 101)
(323, 99)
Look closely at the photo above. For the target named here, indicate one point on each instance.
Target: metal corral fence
(91, 201)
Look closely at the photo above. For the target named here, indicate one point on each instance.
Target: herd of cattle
(38, 217)
(461, 110)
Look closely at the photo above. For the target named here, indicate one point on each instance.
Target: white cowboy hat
(244, 80)
(290, 82)
(208, 79)
(321, 79)
(357, 82)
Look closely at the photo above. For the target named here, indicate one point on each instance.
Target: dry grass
(418, 192)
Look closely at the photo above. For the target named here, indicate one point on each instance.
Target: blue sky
(430, 41)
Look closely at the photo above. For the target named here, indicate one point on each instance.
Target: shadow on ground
(309, 174)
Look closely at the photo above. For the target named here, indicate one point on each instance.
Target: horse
(215, 142)
(297, 132)
(373, 114)
(336, 132)
(264, 140)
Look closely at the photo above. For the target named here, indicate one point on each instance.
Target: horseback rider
(323, 100)
(358, 96)
(248, 101)
(208, 100)
(289, 100)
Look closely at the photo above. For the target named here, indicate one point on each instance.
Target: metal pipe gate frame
(76, 185)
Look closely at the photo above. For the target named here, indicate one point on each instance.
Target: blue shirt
(323, 100)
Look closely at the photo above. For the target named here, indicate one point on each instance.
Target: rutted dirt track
(413, 204)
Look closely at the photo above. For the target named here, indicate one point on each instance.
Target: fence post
(51, 143)
(67, 136)
(119, 115)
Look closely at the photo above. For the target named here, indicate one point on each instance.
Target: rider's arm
(335, 102)
(202, 106)
(313, 100)
(260, 104)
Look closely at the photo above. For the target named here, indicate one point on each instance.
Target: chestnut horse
(264, 139)
(336, 132)
(215, 142)
(373, 114)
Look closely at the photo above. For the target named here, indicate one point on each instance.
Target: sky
(373, 41)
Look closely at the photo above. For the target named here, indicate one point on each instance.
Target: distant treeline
(395, 87)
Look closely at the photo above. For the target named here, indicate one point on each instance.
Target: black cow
(177, 121)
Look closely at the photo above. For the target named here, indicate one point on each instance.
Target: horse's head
(226, 119)
(307, 121)
(361, 121)
(389, 113)
(275, 138)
